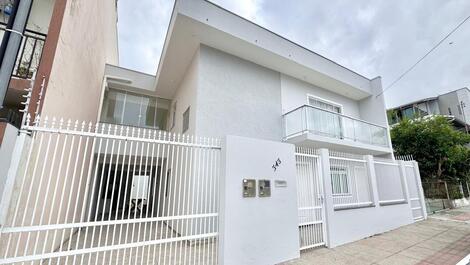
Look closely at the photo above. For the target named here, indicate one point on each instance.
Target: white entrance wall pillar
(373, 180)
(404, 182)
(258, 230)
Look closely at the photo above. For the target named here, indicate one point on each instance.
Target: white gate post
(11, 177)
(404, 183)
(420, 189)
(373, 179)
(324, 158)
(258, 228)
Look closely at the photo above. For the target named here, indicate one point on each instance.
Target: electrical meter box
(264, 188)
(249, 188)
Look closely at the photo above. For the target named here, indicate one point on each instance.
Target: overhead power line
(424, 56)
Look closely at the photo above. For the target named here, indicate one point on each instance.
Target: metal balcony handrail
(336, 113)
(28, 32)
(30, 53)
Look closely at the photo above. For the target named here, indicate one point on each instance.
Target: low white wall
(257, 230)
(353, 224)
(6, 149)
(348, 225)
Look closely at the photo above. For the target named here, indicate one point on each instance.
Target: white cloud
(249, 9)
(142, 28)
(370, 37)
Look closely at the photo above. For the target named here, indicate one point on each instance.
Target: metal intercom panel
(264, 188)
(249, 188)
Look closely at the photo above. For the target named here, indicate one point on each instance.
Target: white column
(373, 180)
(420, 189)
(260, 229)
(328, 194)
(404, 184)
(15, 165)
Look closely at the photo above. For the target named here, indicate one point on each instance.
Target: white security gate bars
(414, 189)
(350, 181)
(310, 199)
(109, 194)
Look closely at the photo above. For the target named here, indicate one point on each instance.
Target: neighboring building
(66, 45)
(454, 104)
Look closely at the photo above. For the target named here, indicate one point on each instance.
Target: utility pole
(13, 43)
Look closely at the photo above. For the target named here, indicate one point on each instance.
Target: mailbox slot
(249, 188)
(264, 188)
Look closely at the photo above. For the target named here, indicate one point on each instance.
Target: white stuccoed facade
(239, 81)
(257, 230)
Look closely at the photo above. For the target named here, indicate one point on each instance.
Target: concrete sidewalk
(440, 240)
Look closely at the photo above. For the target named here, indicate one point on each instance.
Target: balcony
(29, 55)
(312, 126)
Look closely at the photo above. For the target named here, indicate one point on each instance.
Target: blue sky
(371, 37)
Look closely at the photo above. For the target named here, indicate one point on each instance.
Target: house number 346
(276, 164)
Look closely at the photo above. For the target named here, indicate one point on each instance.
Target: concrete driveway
(442, 239)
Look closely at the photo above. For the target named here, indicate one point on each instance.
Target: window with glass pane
(186, 120)
(408, 113)
(113, 107)
(126, 108)
(163, 109)
(323, 122)
(339, 180)
(132, 107)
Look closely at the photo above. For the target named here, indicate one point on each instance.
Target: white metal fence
(415, 191)
(350, 181)
(310, 198)
(108, 194)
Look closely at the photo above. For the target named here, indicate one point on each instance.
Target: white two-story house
(165, 167)
(220, 74)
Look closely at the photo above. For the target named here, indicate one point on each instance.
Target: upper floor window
(186, 120)
(127, 108)
(408, 113)
(327, 122)
(324, 104)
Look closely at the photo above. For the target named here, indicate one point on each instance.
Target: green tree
(438, 148)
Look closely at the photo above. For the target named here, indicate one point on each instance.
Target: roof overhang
(199, 22)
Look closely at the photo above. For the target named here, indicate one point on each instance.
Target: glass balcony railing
(308, 119)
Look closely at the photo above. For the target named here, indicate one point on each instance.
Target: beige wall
(87, 41)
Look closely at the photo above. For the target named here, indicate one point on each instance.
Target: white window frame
(346, 170)
(335, 104)
(141, 96)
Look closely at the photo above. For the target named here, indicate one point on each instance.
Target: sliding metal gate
(310, 199)
(108, 194)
